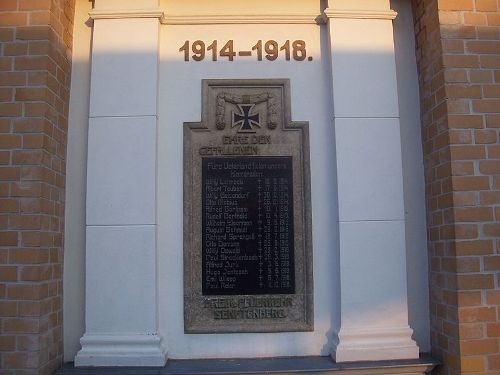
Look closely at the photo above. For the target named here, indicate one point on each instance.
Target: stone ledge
(277, 366)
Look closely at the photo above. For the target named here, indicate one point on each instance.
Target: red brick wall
(458, 54)
(35, 51)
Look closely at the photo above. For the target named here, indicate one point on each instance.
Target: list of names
(247, 226)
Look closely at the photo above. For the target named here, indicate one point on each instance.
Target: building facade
(399, 96)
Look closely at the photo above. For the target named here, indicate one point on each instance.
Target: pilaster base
(375, 344)
(121, 350)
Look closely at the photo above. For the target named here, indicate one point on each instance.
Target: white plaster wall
(240, 7)
(310, 101)
(76, 166)
(413, 174)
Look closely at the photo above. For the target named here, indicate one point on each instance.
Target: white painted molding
(125, 13)
(209, 19)
(215, 19)
(121, 350)
(362, 14)
(375, 344)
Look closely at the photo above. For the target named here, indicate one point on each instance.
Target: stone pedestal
(121, 257)
(374, 312)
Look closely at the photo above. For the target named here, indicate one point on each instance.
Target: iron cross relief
(245, 120)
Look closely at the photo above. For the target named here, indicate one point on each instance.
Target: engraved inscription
(248, 307)
(247, 226)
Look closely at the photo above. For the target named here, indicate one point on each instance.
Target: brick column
(459, 66)
(35, 65)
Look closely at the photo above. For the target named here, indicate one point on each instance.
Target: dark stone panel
(247, 226)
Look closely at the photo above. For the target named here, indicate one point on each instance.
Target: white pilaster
(374, 312)
(121, 307)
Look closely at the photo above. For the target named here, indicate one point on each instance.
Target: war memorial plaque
(247, 219)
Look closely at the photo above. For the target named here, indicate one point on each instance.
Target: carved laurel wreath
(272, 107)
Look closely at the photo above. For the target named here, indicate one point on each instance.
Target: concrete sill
(277, 366)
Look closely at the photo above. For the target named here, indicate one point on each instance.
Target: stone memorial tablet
(247, 219)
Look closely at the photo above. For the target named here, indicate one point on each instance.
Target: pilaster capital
(360, 14)
(125, 13)
(361, 9)
(116, 9)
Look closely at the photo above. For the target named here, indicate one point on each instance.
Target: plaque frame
(287, 138)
